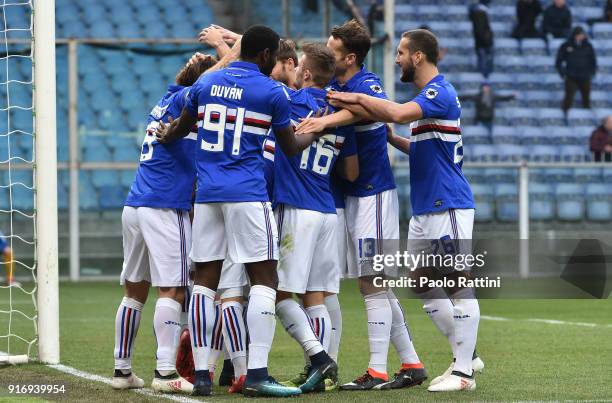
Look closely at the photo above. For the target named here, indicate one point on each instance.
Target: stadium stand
(118, 84)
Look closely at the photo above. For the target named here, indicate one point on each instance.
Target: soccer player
(234, 108)
(7, 255)
(372, 214)
(156, 238)
(286, 64)
(441, 197)
(306, 214)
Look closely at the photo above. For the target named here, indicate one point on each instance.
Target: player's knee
(282, 295)
(175, 293)
(138, 291)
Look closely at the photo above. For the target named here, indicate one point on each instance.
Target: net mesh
(18, 333)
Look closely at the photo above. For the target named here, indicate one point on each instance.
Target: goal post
(46, 181)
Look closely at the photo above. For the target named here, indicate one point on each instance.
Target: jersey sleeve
(191, 99)
(281, 108)
(350, 145)
(374, 88)
(434, 102)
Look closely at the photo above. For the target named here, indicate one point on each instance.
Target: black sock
(474, 355)
(202, 375)
(257, 374)
(122, 373)
(319, 359)
(227, 366)
(463, 375)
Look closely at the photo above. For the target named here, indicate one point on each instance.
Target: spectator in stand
(483, 36)
(527, 12)
(557, 20)
(485, 102)
(577, 64)
(607, 14)
(601, 141)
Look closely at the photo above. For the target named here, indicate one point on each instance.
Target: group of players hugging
(293, 191)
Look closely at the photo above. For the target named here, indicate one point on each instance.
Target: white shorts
(156, 245)
(245, 231)
(369, 221)
(233, 275)
(431, 232)
(342, 242)
(308, 251)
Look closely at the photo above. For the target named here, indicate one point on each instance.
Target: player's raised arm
(292, 144)
(318, 124)
(213, 37)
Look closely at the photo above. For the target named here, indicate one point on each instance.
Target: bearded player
(441, 197)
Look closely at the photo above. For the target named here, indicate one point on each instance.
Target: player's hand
(196, 57)
(342, 97)
(390, 133)
(211, 36)
(310, 125)
(162, 130)
(230, 37)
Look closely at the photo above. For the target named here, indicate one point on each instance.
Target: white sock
(467, 317)
(320, 321)
(167, 327)
(126, 328)
(261, 322)
(333, 308)
(380, 317)
(400, 336)
(216, 344)
(297, 323)
(440, 309)
(201, 321)
(234, 334)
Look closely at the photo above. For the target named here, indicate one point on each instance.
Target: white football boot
(127, 382)
(172, 384)
(453, 383)
(477, 366)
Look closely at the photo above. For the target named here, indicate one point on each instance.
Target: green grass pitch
(525, 360)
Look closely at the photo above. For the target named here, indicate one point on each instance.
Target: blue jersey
(349, 148)
(3, 244)
(166, 173)
(236, 107)
(375, 174)
(268, 150)
(302, 181)
(436, 152)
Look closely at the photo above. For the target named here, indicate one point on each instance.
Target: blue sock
(257, 374)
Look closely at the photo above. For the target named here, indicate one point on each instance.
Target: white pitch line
(547, 321)
(97, 378)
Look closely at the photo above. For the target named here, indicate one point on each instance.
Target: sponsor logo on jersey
(158, 111)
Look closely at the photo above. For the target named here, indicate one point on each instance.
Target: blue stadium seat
(474, 175)
(570, 201)
(599, 202)
(500, 175)
(22, 198)
(506, 135)
(551, 117)
(484, 200)
(607, 175)
(554, 175)
(510, 152)
(100, 178)
(480, 152)
(63, 199)
(541, 202)
(475, 135)
(581, 117)
(535, 135)
(506, 46)
(533, 47)
(97, 154)
(112, 197)
(506, 202)
(573, 153)
(602, 31)
(102, 29)
(586, 175)
(126, 177)
(542, 153)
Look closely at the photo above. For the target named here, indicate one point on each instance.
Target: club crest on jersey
(376, 88)
(430, 93)
(158, 111)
